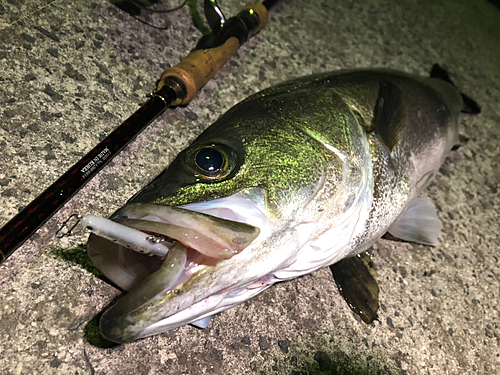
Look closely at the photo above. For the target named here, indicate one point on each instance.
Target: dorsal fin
(470, 106)
(389, 115)
(355, 279)
(440, 73)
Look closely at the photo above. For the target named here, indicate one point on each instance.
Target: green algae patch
(78, 256)
(93, 335)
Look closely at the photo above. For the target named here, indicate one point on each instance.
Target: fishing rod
(178, 85)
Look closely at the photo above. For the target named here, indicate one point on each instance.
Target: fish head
(229, 213)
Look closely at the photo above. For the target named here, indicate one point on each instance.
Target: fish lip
(248, 208)
(152, 217)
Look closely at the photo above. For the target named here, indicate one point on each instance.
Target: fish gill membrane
(306, 174)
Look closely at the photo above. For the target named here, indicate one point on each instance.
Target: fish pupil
(209, 160)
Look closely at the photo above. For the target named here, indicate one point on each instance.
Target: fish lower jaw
(221, 300)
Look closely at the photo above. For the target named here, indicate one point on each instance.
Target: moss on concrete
(79, 256)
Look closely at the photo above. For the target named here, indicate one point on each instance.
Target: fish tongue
(125, 320)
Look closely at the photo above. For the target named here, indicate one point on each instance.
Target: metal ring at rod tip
(60, 233)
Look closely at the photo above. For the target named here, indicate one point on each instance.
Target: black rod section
(25, 223)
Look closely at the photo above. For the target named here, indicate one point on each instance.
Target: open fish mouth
(153, 251)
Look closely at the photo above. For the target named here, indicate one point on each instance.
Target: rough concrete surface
(73, 71)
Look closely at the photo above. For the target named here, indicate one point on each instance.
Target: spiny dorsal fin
(440, 73)
(389, 115)
(418, 223)
(356, 280)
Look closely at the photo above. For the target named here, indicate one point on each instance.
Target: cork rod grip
(200, 66)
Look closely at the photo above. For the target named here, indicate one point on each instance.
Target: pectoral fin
(389, 115)
(356, 280)
(418, 223)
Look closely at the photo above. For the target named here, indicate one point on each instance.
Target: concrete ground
(73, 71)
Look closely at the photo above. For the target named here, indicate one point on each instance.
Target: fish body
(296, 177)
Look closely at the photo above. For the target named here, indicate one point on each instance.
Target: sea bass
(296, 177)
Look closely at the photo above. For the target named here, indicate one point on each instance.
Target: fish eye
(209, 159)
(211, 162)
